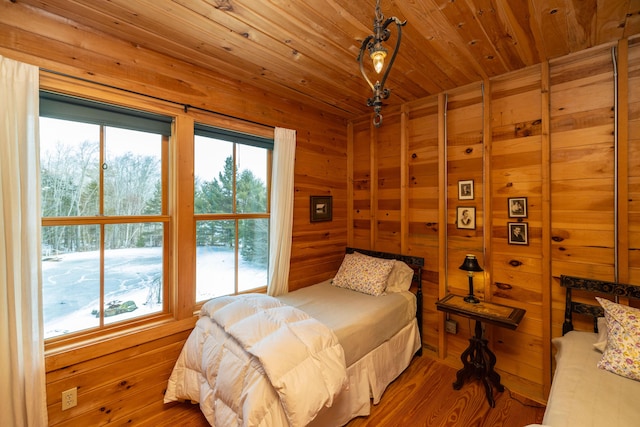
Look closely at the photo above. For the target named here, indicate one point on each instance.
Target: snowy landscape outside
(71, 284)
(98, 182)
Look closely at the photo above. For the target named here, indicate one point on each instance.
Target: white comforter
(260, 362)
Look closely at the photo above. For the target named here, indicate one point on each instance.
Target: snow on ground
(71, 284)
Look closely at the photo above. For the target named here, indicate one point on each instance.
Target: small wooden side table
(478, 360)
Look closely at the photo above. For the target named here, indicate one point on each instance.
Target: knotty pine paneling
(551, 141)
(582, 169)
(465, 150)
(125, 383)
(362, 185)
(516, 171)
(464, 129)
(633, 159)
(581, 128)
(113, 385)
(423, 204)
(389, 182)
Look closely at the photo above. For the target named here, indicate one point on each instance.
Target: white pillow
(363, 273)
(601, 342)
(400, 277)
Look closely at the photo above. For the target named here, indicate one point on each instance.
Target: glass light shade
(378, 56)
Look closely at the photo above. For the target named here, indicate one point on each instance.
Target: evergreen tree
(216, 196)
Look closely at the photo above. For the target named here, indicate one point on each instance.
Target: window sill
(65, 352)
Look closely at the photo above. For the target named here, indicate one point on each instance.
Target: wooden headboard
(591, 310)
(416, 263)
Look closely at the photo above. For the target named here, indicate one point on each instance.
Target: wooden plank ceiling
(306, 49)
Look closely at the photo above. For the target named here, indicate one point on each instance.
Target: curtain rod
(157, 98)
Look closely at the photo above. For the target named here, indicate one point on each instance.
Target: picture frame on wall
(518, 233)
(321, 208)
(465, 190)
(466, 217)
(517, 207)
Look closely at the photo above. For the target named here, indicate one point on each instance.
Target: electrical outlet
(69, 398)
(451, 326)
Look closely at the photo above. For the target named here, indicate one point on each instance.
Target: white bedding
(352, 313)
(252, 360)
(583, 395)
(379, 334)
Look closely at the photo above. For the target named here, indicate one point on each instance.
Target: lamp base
(471, 299)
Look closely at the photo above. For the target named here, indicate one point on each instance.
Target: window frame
(236, 138)
(181, 285)
(62, 87)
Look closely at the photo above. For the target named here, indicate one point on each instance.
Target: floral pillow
(364, 274)
(622, 352)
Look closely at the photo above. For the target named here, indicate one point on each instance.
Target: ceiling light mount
(377, 52)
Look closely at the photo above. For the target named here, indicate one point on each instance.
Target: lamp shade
(470, 264)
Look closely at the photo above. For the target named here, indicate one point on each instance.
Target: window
(105, 224)
(231, 206)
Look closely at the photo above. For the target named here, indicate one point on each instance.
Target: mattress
(583, 395)
(361, 322)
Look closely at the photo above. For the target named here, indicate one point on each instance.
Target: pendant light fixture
(378, 53)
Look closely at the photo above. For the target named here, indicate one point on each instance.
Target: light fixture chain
(379, 15)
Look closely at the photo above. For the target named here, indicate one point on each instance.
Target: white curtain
(281, 225)
(22, 388)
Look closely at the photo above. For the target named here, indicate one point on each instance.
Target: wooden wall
(630, 206)
(121, 378)
(545, 133)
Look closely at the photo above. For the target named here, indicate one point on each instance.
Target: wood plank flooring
(422, 396)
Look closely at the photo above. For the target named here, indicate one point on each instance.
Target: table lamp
(470, 264)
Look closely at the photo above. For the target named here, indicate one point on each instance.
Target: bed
(346, 340)
(597, 377)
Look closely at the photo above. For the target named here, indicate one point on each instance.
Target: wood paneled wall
(546, 133)
(631, 215)
(582, 170)
(121, 378)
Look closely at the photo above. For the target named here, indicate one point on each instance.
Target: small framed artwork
(466, 217)
(320, 208)
(517, 207)
(518, 233)
(465, 190)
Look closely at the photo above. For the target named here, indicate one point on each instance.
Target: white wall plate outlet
(69, 398)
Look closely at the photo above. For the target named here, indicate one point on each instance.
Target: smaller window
(231, 197)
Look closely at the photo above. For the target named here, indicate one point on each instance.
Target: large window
(105, 225)
(231, 198)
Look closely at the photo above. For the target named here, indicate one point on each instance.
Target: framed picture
(465, 190)
(517, 207)
(466, 217)
(518, 233)
(320, 208)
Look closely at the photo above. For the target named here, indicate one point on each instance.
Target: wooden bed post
(568, 318)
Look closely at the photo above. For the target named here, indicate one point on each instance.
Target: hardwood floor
(422, 396)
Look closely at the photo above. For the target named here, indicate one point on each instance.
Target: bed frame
(591, 310)
(416, 263)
